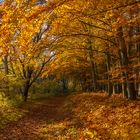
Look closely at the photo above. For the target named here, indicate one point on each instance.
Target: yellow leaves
(19, 1)
(67, 7)
(91, 134)
(111, 14)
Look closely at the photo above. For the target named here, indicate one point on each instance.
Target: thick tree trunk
(132, 94)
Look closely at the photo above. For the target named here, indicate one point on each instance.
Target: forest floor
(76, 117)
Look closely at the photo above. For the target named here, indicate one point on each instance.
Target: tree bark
(6, 70)
(26, 91)
(27, 83)
(132, 95)
(110, 86)
(64, 85)
(93, 70)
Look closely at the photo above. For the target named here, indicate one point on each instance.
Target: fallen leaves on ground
(111, 118)
(87, 116)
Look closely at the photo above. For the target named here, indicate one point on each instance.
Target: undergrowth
(9, 110)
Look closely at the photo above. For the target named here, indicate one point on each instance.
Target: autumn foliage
(57, 47)
(94, 43)
(79, 116)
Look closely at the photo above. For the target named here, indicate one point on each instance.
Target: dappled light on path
(77, 117)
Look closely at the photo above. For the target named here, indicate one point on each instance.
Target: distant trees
(108, 39)
(94, 44)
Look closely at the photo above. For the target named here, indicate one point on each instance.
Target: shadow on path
(39, 113)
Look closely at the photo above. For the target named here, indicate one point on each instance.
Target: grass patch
(40, 96)
(9, 111)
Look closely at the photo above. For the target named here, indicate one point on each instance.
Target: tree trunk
(125, 62)
(5, 62)
(27, 83)
(110, 86)
(124, 91)
(25, 91)
(64, 85)
(6, 70)
(93, 70)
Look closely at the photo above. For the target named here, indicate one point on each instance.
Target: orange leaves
(120, 21)
(106, 118)
(84, 32)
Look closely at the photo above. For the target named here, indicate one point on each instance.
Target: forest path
(77, 117)
(39, 114)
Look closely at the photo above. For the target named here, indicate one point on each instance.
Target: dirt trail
(39, 113)
(77, 117)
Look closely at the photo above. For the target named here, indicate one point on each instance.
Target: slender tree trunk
(27, 83)
(6, 69)
(26, 91)
(110, 86)
(64, 85)
(93, 69)
(5, 62)
(124, 85)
